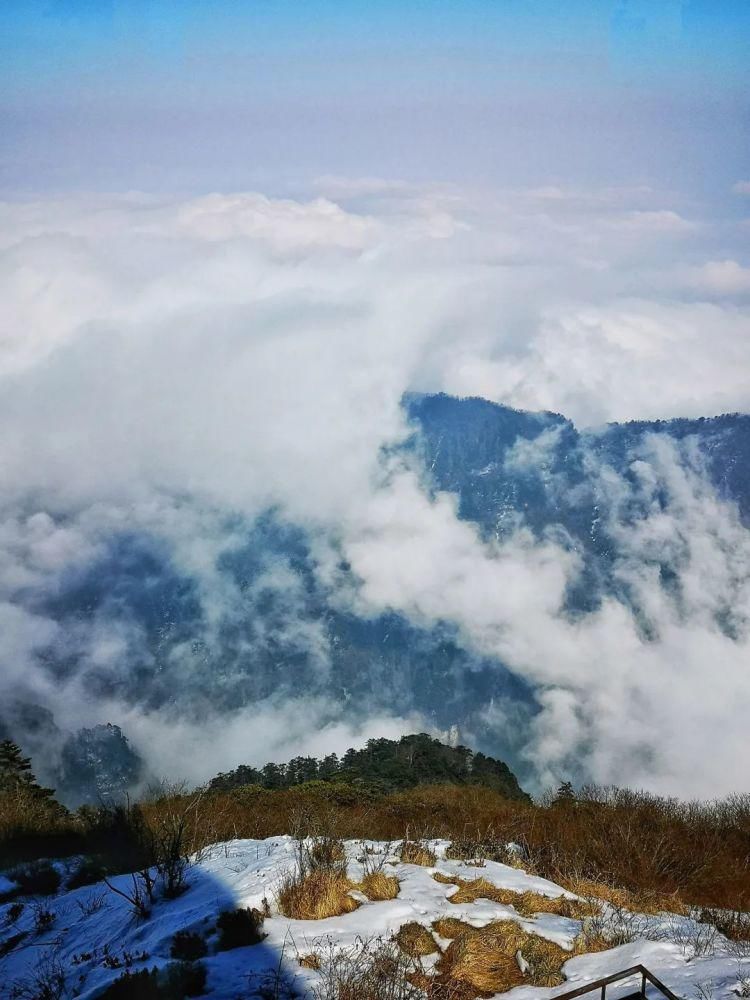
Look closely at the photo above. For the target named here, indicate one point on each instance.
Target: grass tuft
(415, 853)
(484, 958)
(316, 894)
(378, 886)
(415, 940)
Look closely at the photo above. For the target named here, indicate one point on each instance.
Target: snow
(243, 873)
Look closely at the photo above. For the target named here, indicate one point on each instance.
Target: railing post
(643, 984)
(604, 992)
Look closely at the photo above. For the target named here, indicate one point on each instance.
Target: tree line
(383, 765)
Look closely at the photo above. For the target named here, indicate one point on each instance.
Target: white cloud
(166, 367)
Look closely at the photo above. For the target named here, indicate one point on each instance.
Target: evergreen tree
(384, 766)
(16, 772)
(565, 793)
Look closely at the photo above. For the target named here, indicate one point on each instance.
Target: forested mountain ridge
(384, 765)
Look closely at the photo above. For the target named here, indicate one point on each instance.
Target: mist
(177, 375)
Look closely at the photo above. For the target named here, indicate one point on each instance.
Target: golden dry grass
(414, 853)
(414, 940)
(640, 901)
(451, 927)
(526, 903)
(378, 886)
(311, 961)
(629, 839)
(316, 895)
(476, 962)
(484, 958)
(588, 943)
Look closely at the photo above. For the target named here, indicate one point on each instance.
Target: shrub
(239, 928)
(87, 872)
(480, 848)
(177, 981)
(733, 924)
(43, 917)
(38, 878)
(14, 912)
(188, 946)
(45, 982)
(142, 985)
(414, 853)
(184, 979)
(372, 970)
(9, 944)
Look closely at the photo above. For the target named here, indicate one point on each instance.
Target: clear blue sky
(204, 94)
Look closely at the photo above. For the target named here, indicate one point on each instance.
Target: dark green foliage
(565, 793)
(238, 928)
(384, 766)
(141, 985)
(38, 878)
(188, 946)
(87, 872)
(182, 979)
(15, 771)
(119, 835)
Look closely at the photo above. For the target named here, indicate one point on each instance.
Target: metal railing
(616, 977)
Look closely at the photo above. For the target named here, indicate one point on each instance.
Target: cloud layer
(175, 369)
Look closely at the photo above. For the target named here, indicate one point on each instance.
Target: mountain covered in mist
(274, 627)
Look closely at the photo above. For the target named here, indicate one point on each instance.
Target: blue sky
(191, 95)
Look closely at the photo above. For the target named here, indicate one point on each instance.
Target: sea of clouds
(177, 367)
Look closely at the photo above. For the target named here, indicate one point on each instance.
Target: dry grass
(315, 895)
(639, 901)
(525, 903)
(311, 961)
(415, 940)
(588, 942)
(451, 927)
(634, 841)
(372, 970)
(324, 852)
(484, 958)
(378, 886)
(415, 853)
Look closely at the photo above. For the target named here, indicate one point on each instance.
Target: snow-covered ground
(93, 922)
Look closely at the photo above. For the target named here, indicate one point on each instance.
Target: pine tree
(16, 772)
(565, 793)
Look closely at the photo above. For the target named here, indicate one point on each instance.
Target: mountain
(98, 765)
(277, 632)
